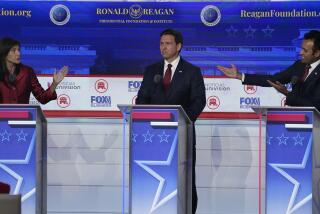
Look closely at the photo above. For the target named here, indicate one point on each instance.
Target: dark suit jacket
(4, 188)
(186, 88)
(25, 83)
(305, 93)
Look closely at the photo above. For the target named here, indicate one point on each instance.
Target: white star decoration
(148, 137)
(5, 136)
(267, 31)
(249, 31)
(279, 168)
(298, 140)
(282, 139)
(144, 164)
(231, 31)
(134, 136)
(22, 136)
(163, 137)
(269, 140)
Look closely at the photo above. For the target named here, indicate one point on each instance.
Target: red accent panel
(286, 117)
(151, 115)
(228, 115)
(117, 114)
(14, 114)
(105, 114)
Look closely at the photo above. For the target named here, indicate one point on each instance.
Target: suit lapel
(160, 89)
(315, 74)
(21, 73)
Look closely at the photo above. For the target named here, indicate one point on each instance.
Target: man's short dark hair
(313, 35)
(176, 34)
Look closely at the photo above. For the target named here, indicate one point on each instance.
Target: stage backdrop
(116, 40)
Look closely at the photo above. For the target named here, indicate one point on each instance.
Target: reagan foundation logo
(135, 11)
(210, 15)
(59, 14)
(136, 14)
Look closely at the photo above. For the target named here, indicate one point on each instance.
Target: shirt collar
(314, 65)
(174, 63)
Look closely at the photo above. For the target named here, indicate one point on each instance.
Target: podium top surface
(126, 109)
(264, 109)
(38, 107)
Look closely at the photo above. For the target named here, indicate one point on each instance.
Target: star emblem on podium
(298, 140)
(164, 137)
(134, 137)
(279, 167)
(22, 136)
(5, 136)
(269, 140)
(147, 137)
(282, 139)
(145, 165)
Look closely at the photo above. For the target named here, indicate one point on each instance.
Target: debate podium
(23, 147)
(292, 160)
(160, 159)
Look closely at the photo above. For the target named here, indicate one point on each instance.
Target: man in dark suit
(304, 75)
(174, 81)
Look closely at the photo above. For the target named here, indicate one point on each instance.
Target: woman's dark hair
(5, 46)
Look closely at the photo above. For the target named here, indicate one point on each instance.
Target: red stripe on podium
(14, 114)
(286, 117)
(151, 115)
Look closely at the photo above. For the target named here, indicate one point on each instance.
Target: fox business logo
(100, 101)
(248, 102)
(133, 86)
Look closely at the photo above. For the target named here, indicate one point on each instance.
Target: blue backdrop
(123, 37)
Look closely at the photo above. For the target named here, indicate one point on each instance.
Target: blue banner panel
(17, 155)
(154, 163)
(123, 37)
(289, 165)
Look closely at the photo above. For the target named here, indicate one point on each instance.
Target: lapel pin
(180, 71)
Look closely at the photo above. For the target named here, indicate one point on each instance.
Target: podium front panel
(289, 162)
(18, 162)
(154, 161)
